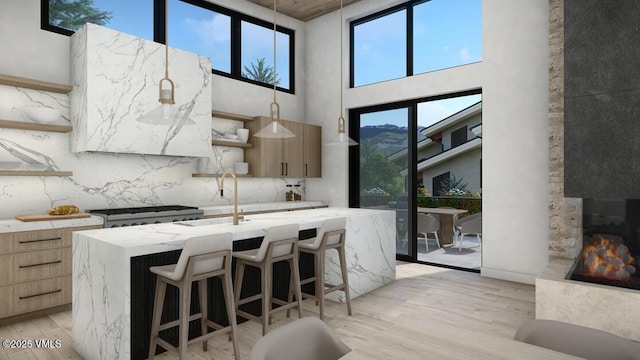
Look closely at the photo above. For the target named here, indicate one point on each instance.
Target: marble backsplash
(106, 180)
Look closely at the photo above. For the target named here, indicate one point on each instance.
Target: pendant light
(341, 139)
(166, 113)
(274, 130)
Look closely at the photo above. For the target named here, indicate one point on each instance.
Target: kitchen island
(110, 267)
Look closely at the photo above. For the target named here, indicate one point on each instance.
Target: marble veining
(115, 80)
(101, 296)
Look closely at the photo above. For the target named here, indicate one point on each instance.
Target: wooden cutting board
(47, 217)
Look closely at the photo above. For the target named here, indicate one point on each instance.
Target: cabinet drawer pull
(41, 294)
(40, 240)
(306, 169)
(281, 169)
(40, 264)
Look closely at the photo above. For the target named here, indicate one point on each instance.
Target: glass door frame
(412, 190)
(412, 152)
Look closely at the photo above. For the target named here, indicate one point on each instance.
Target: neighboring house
(453, 147)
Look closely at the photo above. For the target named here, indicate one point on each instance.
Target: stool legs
(345, 277)
(161, 288)
(185, 305)
(202, 291)
(227, 289)
(319, 256)
(266, 296)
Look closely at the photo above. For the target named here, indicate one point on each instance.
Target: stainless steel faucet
(235, 193)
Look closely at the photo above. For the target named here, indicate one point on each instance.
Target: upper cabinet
(115, 80)
(295, 157)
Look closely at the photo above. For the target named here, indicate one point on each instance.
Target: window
(257, 54)
(459, 137)
(446, 34)
(380, 48)
(439, 182)
(415, 37)
(240, 46)
(201, 31)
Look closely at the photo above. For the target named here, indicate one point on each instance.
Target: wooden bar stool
(330, 236)
(202, 257)
(280, 243)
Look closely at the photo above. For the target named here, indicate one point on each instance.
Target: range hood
(115, 81)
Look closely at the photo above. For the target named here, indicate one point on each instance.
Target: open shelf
(11, 80)
(231, 144)
(230, 116)
(10, 124)
(217, 175)
(34, 173)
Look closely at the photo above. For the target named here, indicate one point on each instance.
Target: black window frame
(436, 182)
(159, 11)
(459, 136)
(408, 6)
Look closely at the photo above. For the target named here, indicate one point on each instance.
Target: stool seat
(251, 255)
(307, 244)
(201, 258)
(280, 243)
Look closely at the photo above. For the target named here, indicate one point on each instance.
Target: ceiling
(304, 10)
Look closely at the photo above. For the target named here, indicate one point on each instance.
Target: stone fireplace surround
(597, 306)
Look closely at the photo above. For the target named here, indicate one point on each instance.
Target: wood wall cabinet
(35, 270)
(295, 157)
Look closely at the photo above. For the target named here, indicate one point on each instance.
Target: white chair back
(427, 223)
(202, 245)
(330, 225)
(276, 233)
(472, 226)
(307, 338)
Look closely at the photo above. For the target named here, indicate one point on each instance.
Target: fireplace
(611, 243)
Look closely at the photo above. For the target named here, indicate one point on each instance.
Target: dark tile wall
(602, 98)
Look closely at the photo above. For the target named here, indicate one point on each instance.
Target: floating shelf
(34, 173)
(11, 80)
(231, 144)
(230, 116)
(217, 175)
(10, 124)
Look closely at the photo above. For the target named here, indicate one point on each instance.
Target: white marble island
(102, 267)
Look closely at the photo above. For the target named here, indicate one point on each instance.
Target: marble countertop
(247, 208)
(14, 225)
(156, 238)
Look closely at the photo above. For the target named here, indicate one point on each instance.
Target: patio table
(445, 233)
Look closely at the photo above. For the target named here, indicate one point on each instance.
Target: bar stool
(202, 257)
(330, 236)
(280, 243)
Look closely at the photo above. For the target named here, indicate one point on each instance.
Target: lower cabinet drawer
(36, 265)
(41, 294)
(6, 301)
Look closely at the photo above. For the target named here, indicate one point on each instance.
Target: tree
(72, 15)
(260, 72)
(377, 171)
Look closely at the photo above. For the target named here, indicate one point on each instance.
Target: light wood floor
(428, 313)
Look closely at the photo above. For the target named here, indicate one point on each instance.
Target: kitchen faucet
(235, 193)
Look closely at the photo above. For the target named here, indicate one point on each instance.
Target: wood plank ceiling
(304, 10)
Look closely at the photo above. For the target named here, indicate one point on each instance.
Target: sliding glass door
(383, 180)
(423, 153)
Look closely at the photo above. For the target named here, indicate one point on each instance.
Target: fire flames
(608, 258)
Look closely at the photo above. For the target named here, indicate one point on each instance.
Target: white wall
(513, 78)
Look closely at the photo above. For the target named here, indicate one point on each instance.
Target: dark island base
(143, 291)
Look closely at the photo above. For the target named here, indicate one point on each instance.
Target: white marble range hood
(115, 80)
